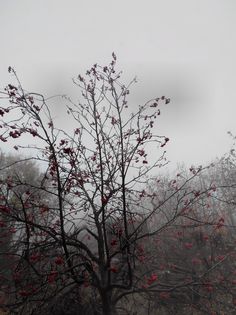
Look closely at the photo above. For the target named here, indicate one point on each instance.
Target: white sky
(184, 49)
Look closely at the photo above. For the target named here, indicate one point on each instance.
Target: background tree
(197, 248)
(16, 174)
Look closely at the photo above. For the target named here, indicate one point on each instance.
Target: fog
(182, 49)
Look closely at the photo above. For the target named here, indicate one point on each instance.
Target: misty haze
(117, 157)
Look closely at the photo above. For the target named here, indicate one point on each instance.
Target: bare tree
(93, 233)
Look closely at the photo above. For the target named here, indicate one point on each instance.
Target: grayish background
(184, 49)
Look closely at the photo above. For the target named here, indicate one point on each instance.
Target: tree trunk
(107, 308)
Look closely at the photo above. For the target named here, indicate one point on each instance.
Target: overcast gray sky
(184, 49)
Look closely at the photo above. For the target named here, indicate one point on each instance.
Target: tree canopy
(97, 231)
